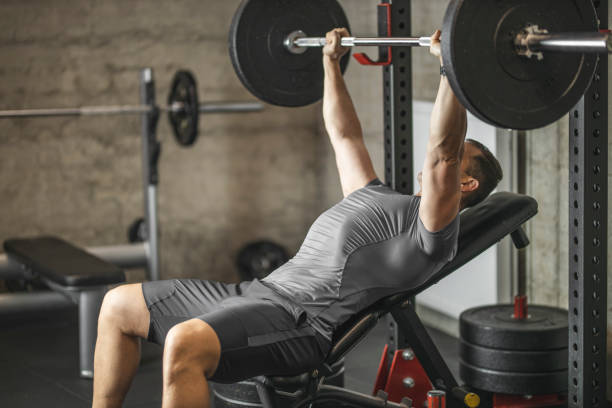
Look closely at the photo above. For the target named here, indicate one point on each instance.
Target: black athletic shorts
(260, 334)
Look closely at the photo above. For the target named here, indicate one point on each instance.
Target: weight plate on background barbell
(494, 327)
(493, 81)
(184, 122)
(261, 61)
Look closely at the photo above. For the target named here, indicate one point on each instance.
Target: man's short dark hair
(485, 168)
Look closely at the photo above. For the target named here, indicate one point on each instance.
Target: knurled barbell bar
(529, 42)
(297, 42)
(487, 49)
(183, 109)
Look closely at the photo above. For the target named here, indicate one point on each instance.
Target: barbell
(183, 109)
(514, 64)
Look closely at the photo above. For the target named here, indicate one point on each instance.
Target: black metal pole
(151, 149)
(397, 94)
(588, 209)
(397, 85)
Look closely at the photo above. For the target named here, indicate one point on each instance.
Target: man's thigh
(257, 336)
(174, 301)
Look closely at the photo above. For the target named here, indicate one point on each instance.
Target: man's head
(480, 173)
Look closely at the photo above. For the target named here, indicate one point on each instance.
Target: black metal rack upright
(397, 85)
(397, 96)
(588, 206)
(588, 221)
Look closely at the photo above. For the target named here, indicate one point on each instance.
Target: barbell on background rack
(183, 109)
(214, 107)
(487, 49)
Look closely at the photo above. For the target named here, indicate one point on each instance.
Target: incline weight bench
(481, 227)
(73, 272)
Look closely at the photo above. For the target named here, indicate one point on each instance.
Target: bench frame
(89, 301)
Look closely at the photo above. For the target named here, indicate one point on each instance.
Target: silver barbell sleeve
(533, 40)
(585, 42)
(230, 107)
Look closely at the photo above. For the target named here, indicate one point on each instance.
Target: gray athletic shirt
(370, 245)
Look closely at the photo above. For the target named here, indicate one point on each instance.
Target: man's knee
(124, 308)
(191, 345)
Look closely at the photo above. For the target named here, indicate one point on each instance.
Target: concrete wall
(248, 176)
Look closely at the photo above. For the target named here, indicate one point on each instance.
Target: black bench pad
(484, 225)
(63, 263)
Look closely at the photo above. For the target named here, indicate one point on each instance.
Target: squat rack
(588, 204)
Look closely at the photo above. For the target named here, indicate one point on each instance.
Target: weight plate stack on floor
(243, 394)
(501, 354)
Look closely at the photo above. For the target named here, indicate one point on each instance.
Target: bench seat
(62, 263)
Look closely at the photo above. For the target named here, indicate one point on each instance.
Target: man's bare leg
(124, 319)
(191, 355)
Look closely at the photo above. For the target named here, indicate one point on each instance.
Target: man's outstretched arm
(441, 184)
(341, 121)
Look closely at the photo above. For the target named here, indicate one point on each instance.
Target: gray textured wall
(249, 176)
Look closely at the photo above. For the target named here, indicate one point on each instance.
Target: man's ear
(469, 184)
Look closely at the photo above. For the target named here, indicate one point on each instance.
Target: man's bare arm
(341, 121)
(441, 185)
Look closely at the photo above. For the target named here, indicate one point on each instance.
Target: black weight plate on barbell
(494, 327)
(261, 61)
(493, 81)
(522, 383)
(184, 122)
(528, 361)
(258, 259)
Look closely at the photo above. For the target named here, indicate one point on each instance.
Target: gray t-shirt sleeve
(440, 245)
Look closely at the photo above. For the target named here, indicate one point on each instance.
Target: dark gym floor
(39, 364)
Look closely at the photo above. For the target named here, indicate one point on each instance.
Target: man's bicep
(354, 164)
(441, 193)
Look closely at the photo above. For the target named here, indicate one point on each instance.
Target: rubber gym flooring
(39, 363)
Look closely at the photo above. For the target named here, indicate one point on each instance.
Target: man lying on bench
(373, 244)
